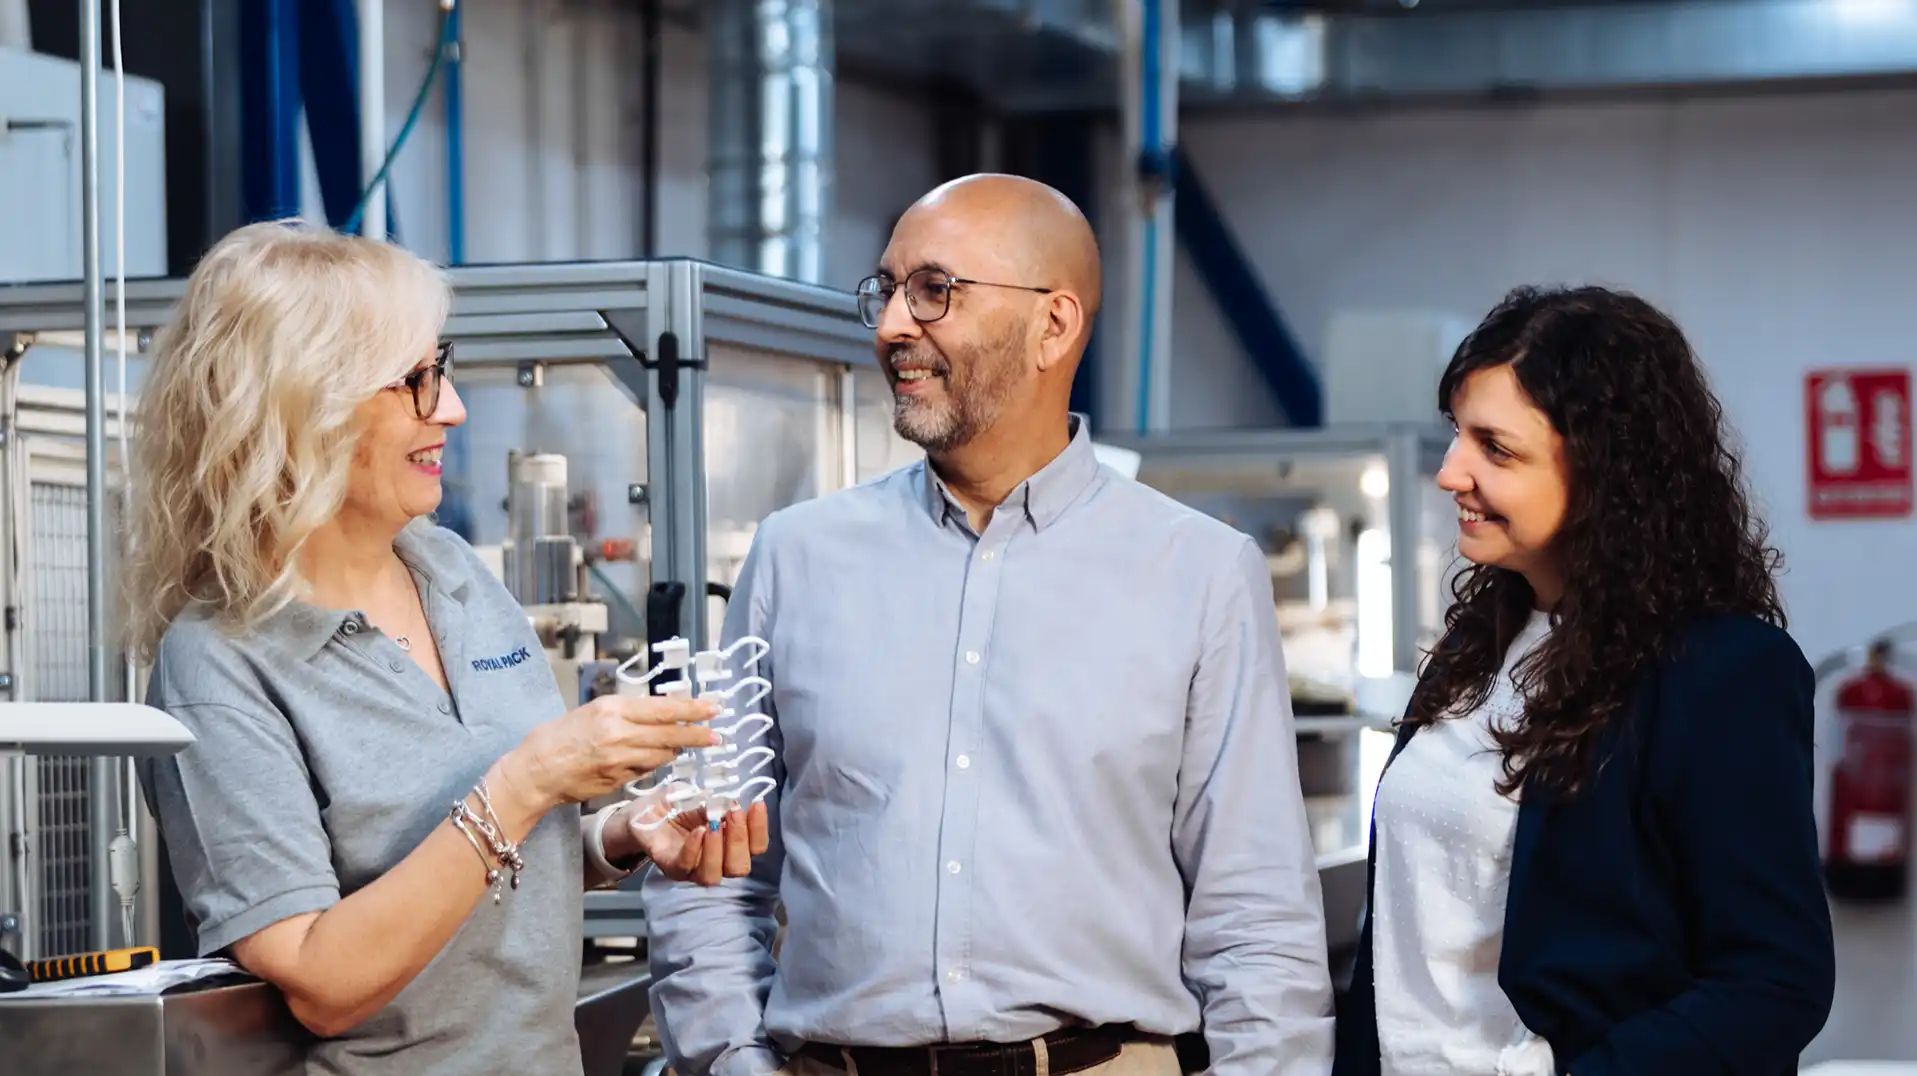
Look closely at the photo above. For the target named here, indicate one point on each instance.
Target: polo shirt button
(397, 666)
(351, 627)
(445, 709)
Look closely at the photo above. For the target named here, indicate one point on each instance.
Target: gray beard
(966, 412)
(934, 429)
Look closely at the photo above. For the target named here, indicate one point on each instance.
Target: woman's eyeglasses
(424, 382)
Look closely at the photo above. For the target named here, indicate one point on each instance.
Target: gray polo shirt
(325, 756)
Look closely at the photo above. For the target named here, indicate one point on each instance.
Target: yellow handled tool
(81, 964)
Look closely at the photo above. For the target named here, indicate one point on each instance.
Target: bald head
(985, 299)
(1018, 226)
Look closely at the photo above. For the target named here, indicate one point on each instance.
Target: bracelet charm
(485, 833)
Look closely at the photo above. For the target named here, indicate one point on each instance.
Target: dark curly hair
(1658, 531)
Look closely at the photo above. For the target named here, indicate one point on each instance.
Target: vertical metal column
(101, 803)
(848, 428)
(1149, 89)
(1402, 459)
(372, 114)
(675, 435)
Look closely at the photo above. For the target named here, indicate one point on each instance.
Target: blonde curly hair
(247, 429)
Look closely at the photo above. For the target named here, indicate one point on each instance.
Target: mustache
(899, 356)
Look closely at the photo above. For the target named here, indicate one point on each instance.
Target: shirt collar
(305, 628)
(1043, 497)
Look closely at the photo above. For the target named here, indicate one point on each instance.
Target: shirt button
(445, 708)
(351, 627)
(971, 657)
(954, 976)
(963, 761)
(397, 666)
(987, 555)
(952, 866)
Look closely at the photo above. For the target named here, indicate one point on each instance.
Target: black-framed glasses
(928, 294)
(423, 383)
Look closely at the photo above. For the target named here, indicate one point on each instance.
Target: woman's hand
(602, 745)
(688, 847)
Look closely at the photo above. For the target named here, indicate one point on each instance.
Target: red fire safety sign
(1860, 445)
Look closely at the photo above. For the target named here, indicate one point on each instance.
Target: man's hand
(690, 847)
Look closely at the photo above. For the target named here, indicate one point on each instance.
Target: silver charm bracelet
(505, 854)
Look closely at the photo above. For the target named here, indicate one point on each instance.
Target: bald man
(1038, 808)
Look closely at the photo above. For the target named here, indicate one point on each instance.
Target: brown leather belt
(1068, 1050)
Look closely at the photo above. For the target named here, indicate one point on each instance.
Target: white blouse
(1443, 866)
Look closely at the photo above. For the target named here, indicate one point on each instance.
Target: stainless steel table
(240, 1027)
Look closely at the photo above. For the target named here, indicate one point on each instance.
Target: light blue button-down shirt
(1038, 776)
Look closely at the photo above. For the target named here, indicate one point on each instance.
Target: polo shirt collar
(305, 628)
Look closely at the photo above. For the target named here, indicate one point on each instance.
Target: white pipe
(103, 805)
(124, 853)
(372, 113)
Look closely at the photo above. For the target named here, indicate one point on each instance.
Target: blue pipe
(455, 510)
(270, 109)
(455, 143)
(1150, 137)
(329, 80)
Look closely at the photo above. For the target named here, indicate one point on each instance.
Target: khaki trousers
(1135, 1059)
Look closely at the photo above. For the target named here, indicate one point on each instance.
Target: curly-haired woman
(1593, 847)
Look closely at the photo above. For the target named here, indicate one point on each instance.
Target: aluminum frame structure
(650, 324)
(1411, 452)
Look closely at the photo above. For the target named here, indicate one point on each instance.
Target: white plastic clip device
(714, 779)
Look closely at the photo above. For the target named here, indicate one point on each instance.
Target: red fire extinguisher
(1869, 839)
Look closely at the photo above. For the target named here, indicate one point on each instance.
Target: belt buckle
(938, 1050)
(933, 1051)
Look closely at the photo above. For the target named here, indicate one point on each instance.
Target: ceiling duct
(1051, 55)
(769, 168)
(1254, 55)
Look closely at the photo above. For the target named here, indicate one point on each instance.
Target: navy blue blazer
(1671, 919)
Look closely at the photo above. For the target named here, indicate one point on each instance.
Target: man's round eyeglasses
(423, 383)
(928, 294)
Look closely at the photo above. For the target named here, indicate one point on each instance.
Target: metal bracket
(532, 374)
(666, 363)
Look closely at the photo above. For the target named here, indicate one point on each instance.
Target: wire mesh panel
(57, 655)
(57, 585)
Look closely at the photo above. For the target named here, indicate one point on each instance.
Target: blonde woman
(380, 814)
